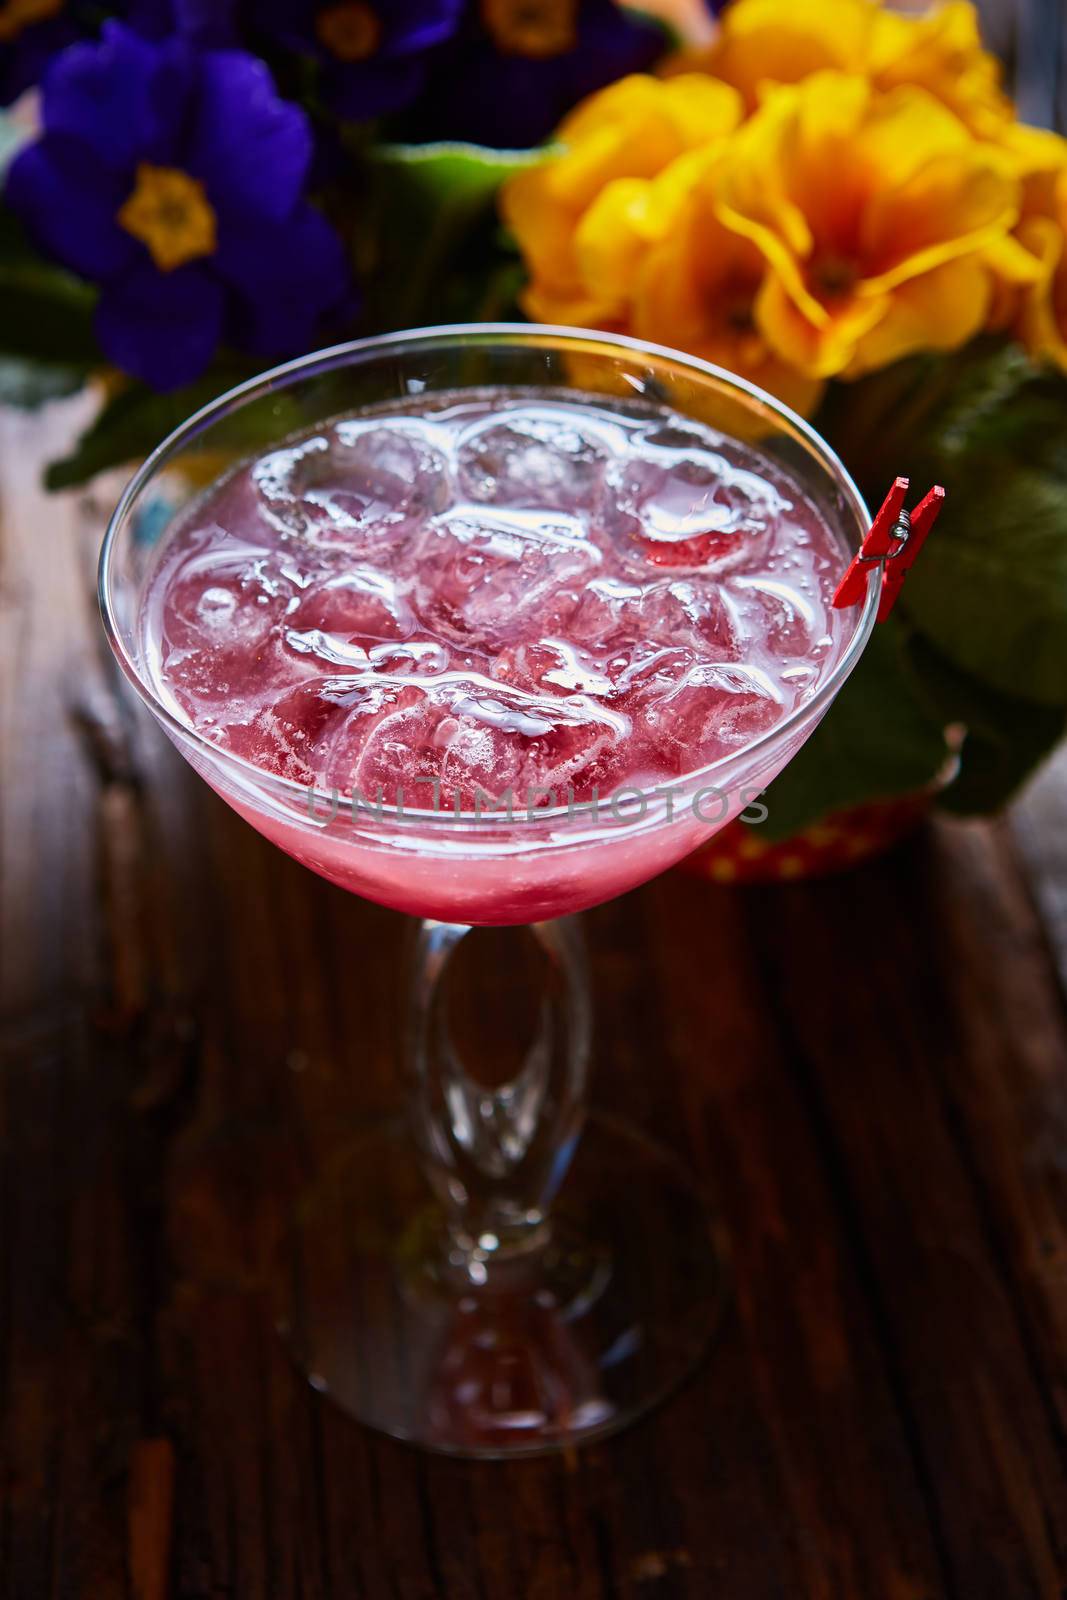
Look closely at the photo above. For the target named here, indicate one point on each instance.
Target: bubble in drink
(495, 594)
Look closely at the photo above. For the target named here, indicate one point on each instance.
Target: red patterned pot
(740, 853)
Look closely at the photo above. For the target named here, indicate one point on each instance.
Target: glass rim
(287, 373)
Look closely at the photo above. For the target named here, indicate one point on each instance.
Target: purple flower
(175, 179)
(372, 54)
(209, 23)
(518, 66)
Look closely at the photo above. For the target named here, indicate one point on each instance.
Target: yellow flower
(871, 211)
(695, 289)
(766, 42)
(1042, 315)
(941, 51)
(1018, 262)
(561, 210)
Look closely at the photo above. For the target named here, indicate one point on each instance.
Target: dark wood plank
(933, 1100)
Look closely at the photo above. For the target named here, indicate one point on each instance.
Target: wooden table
(190, 1023)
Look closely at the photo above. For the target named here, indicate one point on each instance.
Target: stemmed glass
(488, 1282)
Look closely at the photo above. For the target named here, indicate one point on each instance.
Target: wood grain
(190, 1025)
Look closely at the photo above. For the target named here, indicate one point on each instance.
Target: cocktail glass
(487, 1283)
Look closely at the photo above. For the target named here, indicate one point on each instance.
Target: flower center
(833, 276)
(350, 30)
(170, 213)
(737, 312)
(16, 15)
(537, 28)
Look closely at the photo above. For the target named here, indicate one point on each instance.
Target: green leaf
(449, 173)
(991, 586)
(132, 422)
(1006, 736)
(46, 313)
(427, 233)
(880, 738)
(985, 607)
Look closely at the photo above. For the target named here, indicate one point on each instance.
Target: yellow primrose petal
(911, 190)
(627, 217)
(1033, 152)
(626, 100)
(774, 187)
(696, 291)
(701, 278)
(582, 216)
(1042, 322)
(643, 123)
(952, 205)
(613, 236)
(764, 42)
(543, 228)
(940, 310)
(905, 128)
(1009, 260)
(633, 129)
(574, 310)
(1016, 260)
(577, 175)
(754, 197)
(701, 108)
(819, 352)
(1038, 157)
(941, 51)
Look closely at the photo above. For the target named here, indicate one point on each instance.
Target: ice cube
(220, 621)
(357, 603)
(551, 666)
(465, 741)
(644, 672)
(609, 613)
(481, 578)
(384, 759)
(778, 615)
(673, 500)
(354, 486)
(714, 709)
(689, 611)
(534, 458)
(292, 734)
(505, 739)
(599, 612)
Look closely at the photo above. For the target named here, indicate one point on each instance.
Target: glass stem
(496, 1156)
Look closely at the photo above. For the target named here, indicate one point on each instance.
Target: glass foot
(570, 1340)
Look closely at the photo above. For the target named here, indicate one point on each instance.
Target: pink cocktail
(493, 604)
(490, 625)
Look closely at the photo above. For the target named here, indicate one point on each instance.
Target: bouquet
(835, 201)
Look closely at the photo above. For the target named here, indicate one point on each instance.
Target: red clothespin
(894, 540)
